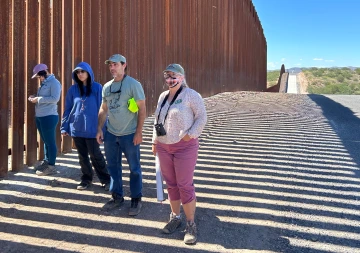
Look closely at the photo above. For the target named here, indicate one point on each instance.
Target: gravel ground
(276, 173)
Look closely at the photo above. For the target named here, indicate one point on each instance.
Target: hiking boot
(190, 233)
(49, 170)
(172, 225)
(135, 207)
(113, 203)
(42, 165)
(83, 186)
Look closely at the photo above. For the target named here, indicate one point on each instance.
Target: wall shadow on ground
(344, 123)
(278, 181)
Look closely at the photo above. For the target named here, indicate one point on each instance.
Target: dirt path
(273, 175)
(303, 82)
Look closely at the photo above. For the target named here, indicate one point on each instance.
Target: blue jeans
(114, 147)
(46, 127)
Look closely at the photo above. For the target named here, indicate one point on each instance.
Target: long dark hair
(81, 85)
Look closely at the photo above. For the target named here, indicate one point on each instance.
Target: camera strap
(172, 101)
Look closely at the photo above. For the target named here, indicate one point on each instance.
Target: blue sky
(310, 33)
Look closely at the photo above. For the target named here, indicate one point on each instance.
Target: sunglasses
(119, 90)
(172, 77)
(79, 71)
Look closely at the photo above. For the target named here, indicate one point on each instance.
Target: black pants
(86, 147)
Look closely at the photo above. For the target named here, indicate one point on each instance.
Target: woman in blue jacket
(80, 120)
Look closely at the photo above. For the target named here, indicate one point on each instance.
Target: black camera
(160, 130)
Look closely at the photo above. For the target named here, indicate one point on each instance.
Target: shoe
(49, 170)
(83, 185)
(106, 187)
(190, 233)
(135, 207)
(172, 225)
(113, 203)
(42, 165)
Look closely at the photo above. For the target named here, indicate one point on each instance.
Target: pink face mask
(172, 81)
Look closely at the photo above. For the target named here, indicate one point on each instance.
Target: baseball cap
(116, 58)
(176, 68)
(39, 68)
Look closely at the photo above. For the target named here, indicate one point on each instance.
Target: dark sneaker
(172, 225)
(42, 166)
(83, 186)
(190, 233)
(135, 207)
(49, 170)
(113, 203)
(106, 187)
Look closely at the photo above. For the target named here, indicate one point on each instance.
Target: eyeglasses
(80, 71)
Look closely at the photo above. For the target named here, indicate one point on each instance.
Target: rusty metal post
(95, 61)
(67, 63)
(77, 28)
(56, 55)
(18, 95)
(5, 81)
(32, 51)
(44, 49)
(86, 23)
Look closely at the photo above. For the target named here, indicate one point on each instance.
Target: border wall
(220, 44)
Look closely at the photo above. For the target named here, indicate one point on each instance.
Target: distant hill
(335, 80)
(294, 70)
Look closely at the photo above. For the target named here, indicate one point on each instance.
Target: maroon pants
(177, 163)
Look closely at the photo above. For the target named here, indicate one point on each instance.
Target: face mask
(172, 81)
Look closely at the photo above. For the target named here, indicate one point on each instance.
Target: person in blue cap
(80, 120)
(123, 132)
(46, 116)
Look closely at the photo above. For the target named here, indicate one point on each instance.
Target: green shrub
(273, 75)
(332, 80)
(340, 78)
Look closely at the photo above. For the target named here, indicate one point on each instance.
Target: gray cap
(176, 68)
(116, 58)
